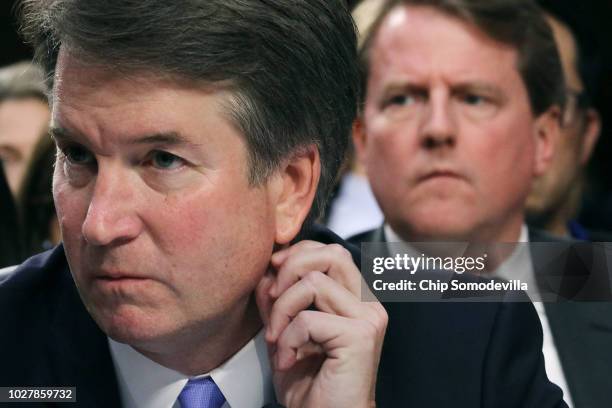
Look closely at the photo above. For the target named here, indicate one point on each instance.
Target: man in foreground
(193, 139)
(187, 156)
(461, 111)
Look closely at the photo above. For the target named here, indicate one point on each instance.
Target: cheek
(211, 221)
(71, 205)
(503, 147)
(391, 149)
(504, 164)
(226, 243)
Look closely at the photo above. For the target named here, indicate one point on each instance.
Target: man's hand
(324, 343)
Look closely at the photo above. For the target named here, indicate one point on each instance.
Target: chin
(536, 203)
(446, 227)
(131, 325)
(444, 232)
(437, 222)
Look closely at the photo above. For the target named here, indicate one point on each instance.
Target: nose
(112, 216)
(438, 129)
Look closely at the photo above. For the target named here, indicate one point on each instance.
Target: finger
(315, 289)
(330, 332)
(279, 256)
(262, 297)
(334, 260)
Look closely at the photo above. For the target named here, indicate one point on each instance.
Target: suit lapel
(582, 332)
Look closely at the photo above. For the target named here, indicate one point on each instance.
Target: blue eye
(399, 100)
(165, 161)
(402, 100)
(78, 155)
(472, 99)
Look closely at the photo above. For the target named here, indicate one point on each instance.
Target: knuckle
(368, 329)
(314, 278)
(339, 250)
(383, 316)
(302, 319)
(378, 318)
(313, 281)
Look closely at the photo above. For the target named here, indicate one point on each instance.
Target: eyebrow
(478, 86)
(165, 138)
(462, 86)
(403, 87)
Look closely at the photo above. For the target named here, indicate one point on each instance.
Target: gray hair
(291, 64)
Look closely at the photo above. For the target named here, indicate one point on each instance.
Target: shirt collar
(517, 266)
(391, 236)
(245, 379)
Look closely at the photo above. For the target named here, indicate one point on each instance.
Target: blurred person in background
(353, 208)
(24, 118)
(556, 197)
(10, 239)
(35, 201)
(27, 153)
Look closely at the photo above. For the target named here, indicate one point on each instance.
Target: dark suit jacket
(582, 332)
(434, 355)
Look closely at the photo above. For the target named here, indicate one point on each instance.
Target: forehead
(107, 105)
(424, 42)
(85, 78)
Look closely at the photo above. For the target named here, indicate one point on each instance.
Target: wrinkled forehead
(422, 41)
(81, 73)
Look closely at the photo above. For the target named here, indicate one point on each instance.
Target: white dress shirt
(354, 209)
(245, 379)
(519, 266)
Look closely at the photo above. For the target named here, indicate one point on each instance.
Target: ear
(359, 139)
(293, 188)
(592, 130)
(547, 130)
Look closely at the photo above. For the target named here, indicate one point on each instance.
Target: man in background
(556, 197)
(462, 110)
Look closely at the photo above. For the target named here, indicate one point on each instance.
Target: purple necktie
(201, 393)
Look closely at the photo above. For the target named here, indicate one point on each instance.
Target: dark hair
(517, 23)
(291, 65)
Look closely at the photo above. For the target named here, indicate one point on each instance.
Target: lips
(121, 281)
(118, 275)
(439, 173)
